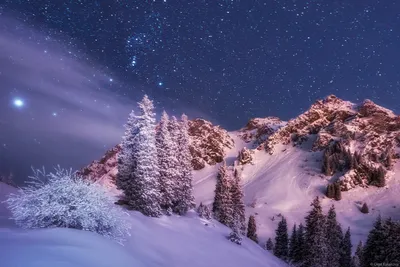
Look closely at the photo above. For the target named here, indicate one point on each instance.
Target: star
(18, 102)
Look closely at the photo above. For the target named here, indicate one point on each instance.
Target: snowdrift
(155, 242)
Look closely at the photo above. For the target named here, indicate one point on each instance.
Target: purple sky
(71, 112)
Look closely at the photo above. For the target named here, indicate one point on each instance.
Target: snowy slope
(167, 241)
(287, 181)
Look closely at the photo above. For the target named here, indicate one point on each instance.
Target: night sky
(70, 71)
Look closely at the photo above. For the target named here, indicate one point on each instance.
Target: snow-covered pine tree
(358, 256)
(269, 245)
(185, 199)
(238, 207)
(138, 161)
(281, 249)
(222, 205)
(299, 251)
(167, 163)
(293, 242)
(334, 236)
(204, 211)
(383, 243)
(376, 244)
(252, 229)
(393, 241)
(126, 161)
(345, 257)
(235, 235)
(174, 130)
(315, 238)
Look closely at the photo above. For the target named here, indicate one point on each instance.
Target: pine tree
(345, 257)
(358, 256)
(293, 243)
(238, 207)
(138, 166)
(204, 211)
(269, 245)
(252, 229)
(300, 249)
(167, 163)
(316, 244)
(281, 249)
(222, 205)
(174, 130)
(383, 243)
(334, 236)
(338, 191)
(185, 199)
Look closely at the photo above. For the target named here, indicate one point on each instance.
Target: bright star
(54, 114)
(160, 83)
(18, 102)
(111, 79)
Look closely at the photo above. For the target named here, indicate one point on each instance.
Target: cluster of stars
(240, 58)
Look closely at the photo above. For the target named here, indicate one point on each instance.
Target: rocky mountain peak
(257, 130)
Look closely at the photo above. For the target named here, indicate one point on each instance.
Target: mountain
(284, 165)
(167, 241)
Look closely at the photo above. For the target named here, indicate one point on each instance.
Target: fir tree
(358, 256)
(252, 229)
(334, 236)
(184, 198)
(315, 238)
(238, 207)
(293, 243)
(281, 249)
(345, 257)
(300, 248)
(269, 245)
(167, 163)
(383, 243)
(373, 249)
(137, 163)
(338, 191)
(222, 205)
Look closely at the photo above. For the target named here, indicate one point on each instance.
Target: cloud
(71, 107)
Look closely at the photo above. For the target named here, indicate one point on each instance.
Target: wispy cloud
(70, 104)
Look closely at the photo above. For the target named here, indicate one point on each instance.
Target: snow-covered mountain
(288, 162)
(154, 242)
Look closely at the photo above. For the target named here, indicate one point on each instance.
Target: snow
(167, 241)
(287, 181)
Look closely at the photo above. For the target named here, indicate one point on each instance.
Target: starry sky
(70, 71)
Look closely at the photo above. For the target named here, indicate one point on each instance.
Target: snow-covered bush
(63, 199)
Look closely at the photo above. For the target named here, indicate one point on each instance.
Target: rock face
(257, 130)
(208, 143)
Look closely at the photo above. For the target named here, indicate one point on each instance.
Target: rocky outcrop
(208, 143)
(321, 114)
(245, 156)
(257, 130)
